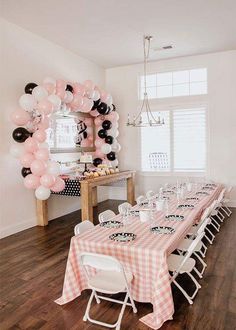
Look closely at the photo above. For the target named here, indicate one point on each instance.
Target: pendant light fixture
(145, 116)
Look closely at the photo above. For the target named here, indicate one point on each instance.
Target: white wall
(26, 57)
(221, 100)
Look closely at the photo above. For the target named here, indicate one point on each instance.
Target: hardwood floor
(32, 269)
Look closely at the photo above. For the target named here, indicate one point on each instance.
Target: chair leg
(227, 210)
(215, 225)
(183, 291)
(204, 265)
(122, 312)
(86, 315)
(213, 236)
(132, 301)
(203, 253)
(221, 214)
(97, 298)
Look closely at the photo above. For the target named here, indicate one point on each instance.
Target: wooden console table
(88, 196)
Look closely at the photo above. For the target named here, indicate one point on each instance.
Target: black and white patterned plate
(177, 217)
(162, 230)
(111, 224)
(185, 206)
(168, 192)
(123, 237)
(211, 184)
(134, 213)
(208, 187)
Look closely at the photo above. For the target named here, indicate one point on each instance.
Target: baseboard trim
(13, 229)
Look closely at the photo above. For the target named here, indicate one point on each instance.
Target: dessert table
(145, 256)
(87, 189)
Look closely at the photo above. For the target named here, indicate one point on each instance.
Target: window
(176, 83)
(177, 146)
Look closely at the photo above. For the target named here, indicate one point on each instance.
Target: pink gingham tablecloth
(145, 257)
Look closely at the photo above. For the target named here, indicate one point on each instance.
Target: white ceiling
(109, 32)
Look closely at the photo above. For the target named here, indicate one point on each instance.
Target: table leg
(131, 190)
(95, 196)
(86, 202)
(42, 212)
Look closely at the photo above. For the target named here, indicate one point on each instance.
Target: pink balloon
(113, 116)
(47, 180)
(99, 154)
(79, 89)
(85, 143)
(20, 117)
(103, 96)
(88, 84)
(42, 154)
(77, 102)
(98, 121)
(94, 113)
(59, 185)
(38, 167)
(27, 159)
(40, 135)
(90, 138)
(61, 84)
(61, 93)
(45, 107)
(49, 87)
(99, 142)
(31, 181)
(44, 124)
(87, 105)
(31, 144)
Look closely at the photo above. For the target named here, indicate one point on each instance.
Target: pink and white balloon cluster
(32, 119)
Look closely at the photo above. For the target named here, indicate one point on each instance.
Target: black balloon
(29, 88)
(69, 88)
(25, 171)
(111, 156)
(102, 133)
(106, 124)
(85, 134)
(102, 108)
(109, 139)
(20, 134)
(95, 104)
(113, 107)
(97, 161)
(108, 110)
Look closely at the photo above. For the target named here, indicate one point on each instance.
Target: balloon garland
(33, 119)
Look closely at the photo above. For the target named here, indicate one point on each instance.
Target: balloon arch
(33, 119)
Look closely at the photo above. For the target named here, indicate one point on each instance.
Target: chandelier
(145, 116)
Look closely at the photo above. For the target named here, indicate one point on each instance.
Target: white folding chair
(150, 194)
(122, 208)
(226, 200)
(106, 215)
(185, 264)
(82, 227)
(140, 199)
(200, 248)
(110, 278)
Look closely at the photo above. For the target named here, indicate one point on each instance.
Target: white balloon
(114, 132)
(69, 97)
(96, 95)
(114, 163)
(39, 93)
(115, 146)
(109, 100)
(49, 80)
(106, 148)
(90, 94)
(27, 102)
(56, 101)
(42, 193)
(53, 168)
(17, 150)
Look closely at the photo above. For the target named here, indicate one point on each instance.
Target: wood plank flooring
(32, 268)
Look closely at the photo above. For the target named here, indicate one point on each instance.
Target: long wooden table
(88, 196)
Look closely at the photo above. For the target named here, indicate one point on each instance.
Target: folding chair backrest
(205, 214)
(123, 207)
(213, 205)
(221, 196)
(101, 262)
(140, 199)
(106, 215)
(203, 226)
(190, 251)
(150, 194)
(82, 227)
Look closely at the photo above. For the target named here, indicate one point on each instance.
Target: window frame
(172, 172)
